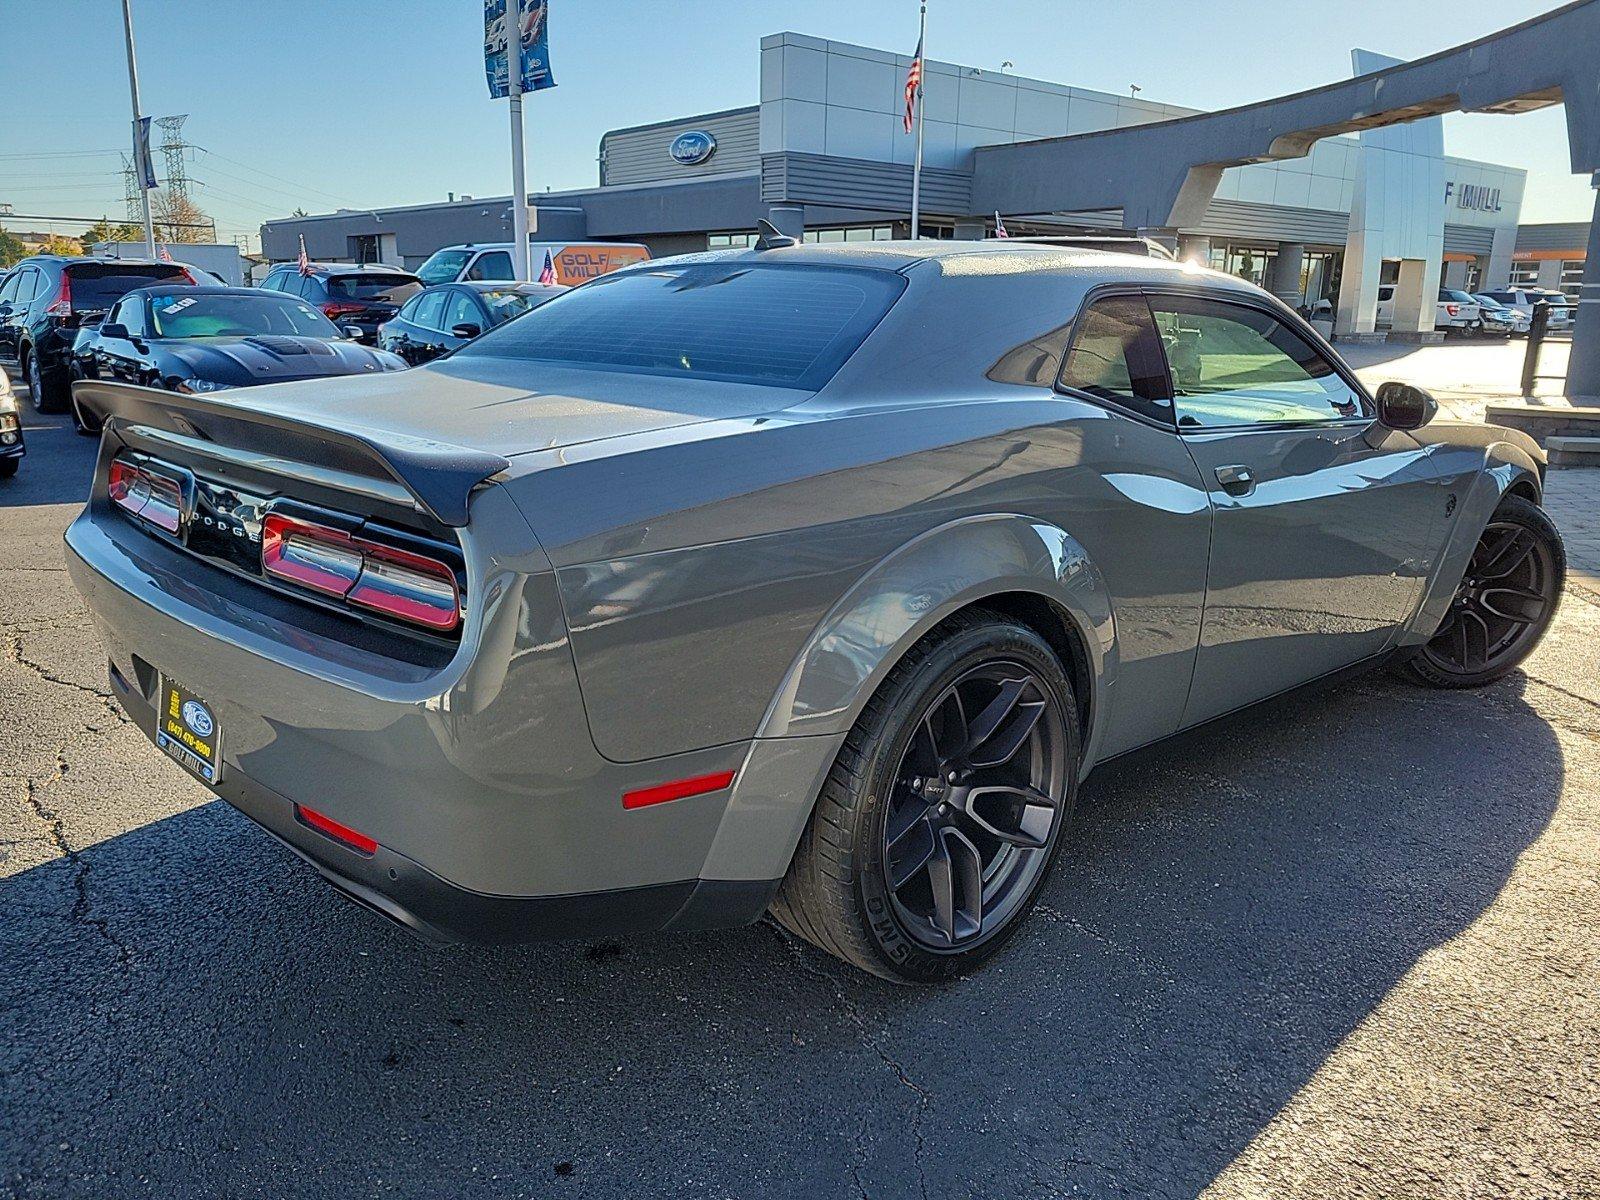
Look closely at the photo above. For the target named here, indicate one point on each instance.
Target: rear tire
(909, 873)
(46, 389)
(1507, 598)
(8, 467)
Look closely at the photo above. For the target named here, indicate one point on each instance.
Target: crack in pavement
(853, 1013)
(57, 826)
(107, 700)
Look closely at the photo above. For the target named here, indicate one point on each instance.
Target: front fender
(910, 591)
(1506, 463)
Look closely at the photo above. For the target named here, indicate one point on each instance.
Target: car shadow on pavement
(1229, 908)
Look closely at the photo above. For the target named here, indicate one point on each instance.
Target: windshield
(443, 266)
(197, 315)
(1458, 296)
(390, 289)
(507, 304)
(784, 326)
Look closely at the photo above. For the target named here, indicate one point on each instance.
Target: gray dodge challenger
(810, 579)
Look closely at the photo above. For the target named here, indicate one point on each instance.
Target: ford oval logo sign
(692, 148)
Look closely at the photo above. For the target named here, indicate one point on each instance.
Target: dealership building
(824, 155)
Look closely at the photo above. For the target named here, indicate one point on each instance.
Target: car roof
(202, 289)
(327, 268)
(991, 257)
(506, 285)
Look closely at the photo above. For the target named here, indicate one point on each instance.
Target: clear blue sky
(323, 103)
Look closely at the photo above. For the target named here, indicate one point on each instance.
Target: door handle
(1236, 480)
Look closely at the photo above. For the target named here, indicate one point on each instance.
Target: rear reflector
(342, 833)
(677, 790)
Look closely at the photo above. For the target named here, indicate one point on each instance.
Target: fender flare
(861, 638)
(1506, 464)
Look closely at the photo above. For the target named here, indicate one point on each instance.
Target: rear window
(100, 285)
(390, 289)
(783, 326)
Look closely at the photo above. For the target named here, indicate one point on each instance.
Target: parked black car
(48, 297)
(210, 339)
(438, 320)
(11, 445)
(351, 295)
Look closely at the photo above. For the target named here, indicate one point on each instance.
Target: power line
(281, 179)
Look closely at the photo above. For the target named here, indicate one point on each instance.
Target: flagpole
(519, 178)
(133, 88)
(916, 167)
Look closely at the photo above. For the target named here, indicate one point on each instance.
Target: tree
(104, 231)
(57, 244)
(179, 219)
(11, 247)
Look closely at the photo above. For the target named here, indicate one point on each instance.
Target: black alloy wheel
(945, 807)
(974, 805)
(1506, 600)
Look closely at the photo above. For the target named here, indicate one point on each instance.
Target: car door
(427, 337)
(463, 309)
(1322, 521)
(491, 265)
(124, 359)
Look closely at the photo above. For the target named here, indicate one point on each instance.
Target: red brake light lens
(334, 309)
(61, 306)
(145, 493)
(383, 579)
(679, 789)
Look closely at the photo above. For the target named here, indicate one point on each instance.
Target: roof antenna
(772, 238)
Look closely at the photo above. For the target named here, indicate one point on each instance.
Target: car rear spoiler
(438, 476)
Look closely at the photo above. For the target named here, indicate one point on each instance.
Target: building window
(730, 241)
(862, 233)
(1524, 274)
(1572, 276)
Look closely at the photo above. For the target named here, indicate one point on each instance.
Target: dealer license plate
(188, 731)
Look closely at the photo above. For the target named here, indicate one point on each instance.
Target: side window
(1116, 357)
(492, 264)
(463, 310)
(27, 286)
(1236, 365)
(9, 291)
(430, 308)
(132, 315)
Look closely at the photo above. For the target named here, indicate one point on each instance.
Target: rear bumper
(409, 894)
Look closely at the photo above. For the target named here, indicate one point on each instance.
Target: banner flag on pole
(534, 42)
(999, 226)
(303, 262)
(144, 166)
(913, 86)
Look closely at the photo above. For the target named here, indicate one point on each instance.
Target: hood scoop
(285, 346)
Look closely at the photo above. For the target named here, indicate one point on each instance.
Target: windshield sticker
(178, 306)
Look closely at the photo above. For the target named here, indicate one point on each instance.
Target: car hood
(510, 407)
(271, 357)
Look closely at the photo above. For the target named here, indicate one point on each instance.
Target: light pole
(519, 178)
(141, 144)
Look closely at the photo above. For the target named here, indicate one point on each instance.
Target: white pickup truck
(1456, 311)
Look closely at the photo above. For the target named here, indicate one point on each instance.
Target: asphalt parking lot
(1341, 946)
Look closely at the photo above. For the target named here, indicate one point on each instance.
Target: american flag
(999, 226)
(547, 273)
(913, 86)
(304, 262)
(164, 254)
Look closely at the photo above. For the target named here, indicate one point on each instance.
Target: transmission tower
(172, 148)
(130, 191)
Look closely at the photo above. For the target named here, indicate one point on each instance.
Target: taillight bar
(380, 578)
(146, 493)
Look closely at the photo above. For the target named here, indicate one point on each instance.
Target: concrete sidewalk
(1572, 498)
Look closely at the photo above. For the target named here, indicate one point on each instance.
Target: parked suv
(1524, 298)
(357, 297)
(45, 300)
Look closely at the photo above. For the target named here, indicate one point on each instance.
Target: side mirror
(119, 332)
(1405, 406)
(465, 330)
(355, 333)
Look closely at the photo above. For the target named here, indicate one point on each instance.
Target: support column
(790, 219)
(1415, 303)
(1284, 280)
(1583, 365)
(971, 229)
(1195, 248)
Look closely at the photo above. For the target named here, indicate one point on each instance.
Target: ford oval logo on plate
(692, 148)
(198, 719)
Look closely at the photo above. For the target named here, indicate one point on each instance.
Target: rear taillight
(61, 306)
(148, 494)
(1452, 309)
(380, 578)
(334, 309)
